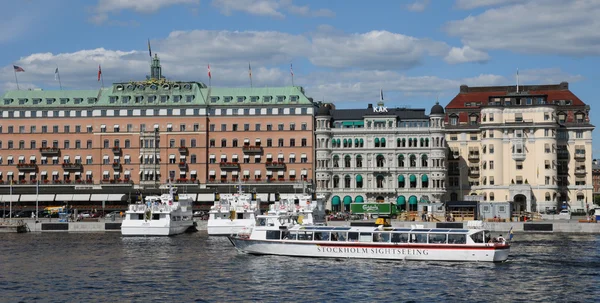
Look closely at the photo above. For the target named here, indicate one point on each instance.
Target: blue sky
(342, 51)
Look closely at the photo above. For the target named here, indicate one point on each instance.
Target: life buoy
(246, 206)
(282, 207)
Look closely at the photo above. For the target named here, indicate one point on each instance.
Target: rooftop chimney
(370, 106)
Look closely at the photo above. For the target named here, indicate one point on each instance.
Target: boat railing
(152, 208)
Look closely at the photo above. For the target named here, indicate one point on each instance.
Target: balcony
(473, 157)
(229, 165)
(579, 156)
(519, 156)
(182, 165)
(72, 166)
(186, 181)
(116, 150)
(27, 167)
(474, 172)
(183, 150)
(50, 151)
(252, 149)
(116, 166)
(580, 171)
(275, 165)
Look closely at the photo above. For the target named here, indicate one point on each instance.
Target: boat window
(262, 222)
(457, 239)
(338, 236)
(240, 216)
(437, 238)
(477, 237)
(399, 238)
(305, 235)
(321, 236)
(270, 222)
(381, 237)
(273, 235)
(418, 238)
(289, 236)
(353, 237)
(366, 237)
(155, 216)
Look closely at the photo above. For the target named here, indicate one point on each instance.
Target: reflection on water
(106, 267)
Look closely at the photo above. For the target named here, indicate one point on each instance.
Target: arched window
(380, 181)
(127, 143)
(413, 181)
(401, 181)
(347, 160)
(547, 197)
(423, 160)
(376, 142)
(359, 161)
(380, 160)
(336, 182)
(193, 159)
(106, 143)
(172, 143)
(400, 160)
(347, 180)
(234, 142)
(424, 181)
(116, 143)
(413, 161)
(359, 181)
(491, 196)
(336, 161)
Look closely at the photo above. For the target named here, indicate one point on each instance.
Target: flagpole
(16, 79)
(250, 74)
(292, 72)
(58, 76)
(102, 79)
(517, 80)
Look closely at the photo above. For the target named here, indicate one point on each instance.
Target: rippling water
(104, 267)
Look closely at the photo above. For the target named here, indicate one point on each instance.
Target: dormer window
(473, 119)
(22, 101)
(113, 99)
(126, 99)
(164, 99)
(267, 98)
(49, 100)
(151, 99)
(253, 98)
(294, 98)
(77, 100)
(454, 120)
(176, 98)
(562, 117)
(91, 100)
(280, 98)
(241, 99)
(579, 117)
(189, 98)
(37, 101)
(214, 99)
(227, 99)
(139, 99)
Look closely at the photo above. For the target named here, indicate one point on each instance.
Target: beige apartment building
(530, 146)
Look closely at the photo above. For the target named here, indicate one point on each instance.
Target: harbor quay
(546, 226)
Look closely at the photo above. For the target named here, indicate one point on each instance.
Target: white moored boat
(231, 213)
(164, 215)
(281, 236)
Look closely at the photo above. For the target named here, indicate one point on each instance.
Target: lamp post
(37, 194)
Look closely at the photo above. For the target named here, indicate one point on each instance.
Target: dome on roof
(323, 111)
(437, 109)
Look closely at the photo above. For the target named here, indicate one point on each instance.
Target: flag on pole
(149, 49)
(18, 69)
(99, 72)
(380, 94)
(56, 74)
(209, 75)
(291, 70)
(249, 71)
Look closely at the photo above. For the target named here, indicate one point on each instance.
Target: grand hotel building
(531, 145)
(379, 154)
(139, 134)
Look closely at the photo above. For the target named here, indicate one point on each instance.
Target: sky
(341, 51)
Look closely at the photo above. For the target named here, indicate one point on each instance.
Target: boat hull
(228, 227)
(155, 228)
(387, 251)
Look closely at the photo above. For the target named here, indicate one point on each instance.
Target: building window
(519, 165)
(304, 143)
(280, 143)
(453, 120)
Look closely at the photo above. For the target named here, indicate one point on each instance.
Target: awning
(269, 173)
(103, 126)
(412, 178)
(66, 158)
(105, 172)
(269, 156)
(246, 173)
(412, 200)
(362, 141)
(88, 157)
(21, 173)
(292, 172)
(171, 156)
(157, 172)
(234, 157)
(400, 157)
(257, 156)
(11, 173)
(146, 156)
(77, 173)
(43, 173)
(55, 158)
(21, 158)
(169, 125)
(355, 142)
(280, 156)
(304, 172)
(223, 156)
(117, 157)
(401, 178)
(81, 197)
(98, 197)
(382, 140)
(116, 126)
(359, 199)
(292, 156)
(246, 140)
(156, 126)
(116, 173)
(347, 200)
(89, 172)
(183, 157)
(193, 172)
(246, 156)
(424, 178)
(33, 198)
(376, 140)
(77, 157)
(9, 158)
(303, 156)
(211, 173)
(257, 172)
(55, 173)
(157, 156)
(234, 173)
(212, 156)
(359, 178)
(32, 173)
(43, 158)
(8, 198)
(401, 200)
(32, 158)
(335, 200)
(64, 197)
(257, 141)
(66, 173)
(105, 157)
(182, 172)
(280, 173)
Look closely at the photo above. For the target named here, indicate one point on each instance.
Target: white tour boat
(307, 209)
(164, 215)
(279, 235)
(231, 213)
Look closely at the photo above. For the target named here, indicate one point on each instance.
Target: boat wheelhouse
(230, 213)
(282, 236)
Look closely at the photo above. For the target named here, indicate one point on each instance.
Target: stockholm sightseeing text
(381, 251)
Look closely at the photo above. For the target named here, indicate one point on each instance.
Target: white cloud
(105, 7)
(272, 8)
(557, 27)
(373, 50)
(418, 6)
(471, 4)
(466, 54)
(546, 75)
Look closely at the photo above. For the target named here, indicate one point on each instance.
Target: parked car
(24, 214)
(113, 215)
(564, 214)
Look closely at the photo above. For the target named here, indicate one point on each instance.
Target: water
(104, 267)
